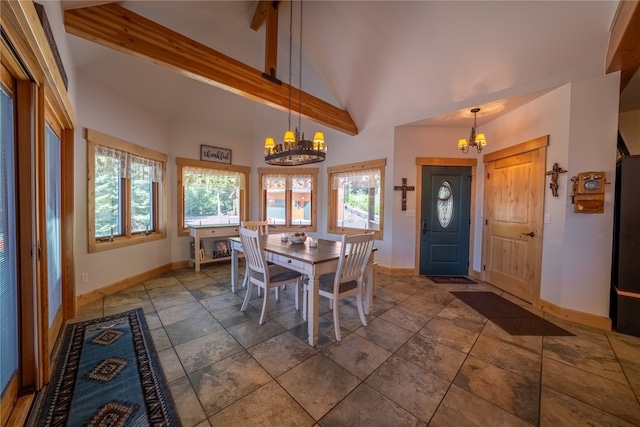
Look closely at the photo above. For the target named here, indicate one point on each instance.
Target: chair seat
(278, 273)
(326, 283)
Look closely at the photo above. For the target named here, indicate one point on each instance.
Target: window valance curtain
(212, 177)
(285, 180)
(127, 165)
(370, 174)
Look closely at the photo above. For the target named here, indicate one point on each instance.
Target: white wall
(375, 142)
(185, 141)
(578, 117)
(547, 115)
(586, 274)
(370, 144)
(581, 121)
(101, 109)
(410, 143)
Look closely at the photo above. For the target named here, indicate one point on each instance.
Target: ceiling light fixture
(295, 150)
(477, 140)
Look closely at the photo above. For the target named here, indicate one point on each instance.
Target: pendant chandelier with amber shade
(295, 149)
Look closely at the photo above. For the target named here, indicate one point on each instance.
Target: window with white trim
(288, 197)
(127, 194)
(356, 197)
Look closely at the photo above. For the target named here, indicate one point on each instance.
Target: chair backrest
(354, 257)
(261, 226)
(253, 253)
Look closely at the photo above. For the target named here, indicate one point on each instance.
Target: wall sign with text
(215, 154)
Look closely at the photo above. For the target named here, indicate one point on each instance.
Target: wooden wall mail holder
(588, 192)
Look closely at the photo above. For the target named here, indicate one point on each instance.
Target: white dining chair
(348, 278)
(263, 228)
(261, 274)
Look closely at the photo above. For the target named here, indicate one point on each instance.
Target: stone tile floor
(425, 358)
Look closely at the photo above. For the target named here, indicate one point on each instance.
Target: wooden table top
(327, 250)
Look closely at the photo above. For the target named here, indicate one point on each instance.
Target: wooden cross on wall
(404, 188)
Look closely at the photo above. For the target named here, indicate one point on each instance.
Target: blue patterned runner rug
(108, 374)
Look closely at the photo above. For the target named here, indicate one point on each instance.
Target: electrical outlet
(84, 277)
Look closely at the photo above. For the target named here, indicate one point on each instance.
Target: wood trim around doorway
(443, 161)
(532, 144)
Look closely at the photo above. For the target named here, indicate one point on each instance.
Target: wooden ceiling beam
(118, 28)
(267, 11)
(624, 43)
(271, 40)
(260, 15)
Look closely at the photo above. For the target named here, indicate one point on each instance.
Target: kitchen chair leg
(363, 320)
(247, 296)
(265, 304)
(336, 318)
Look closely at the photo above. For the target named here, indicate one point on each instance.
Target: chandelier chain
(290, 56)
(296, 150)
(300, 79)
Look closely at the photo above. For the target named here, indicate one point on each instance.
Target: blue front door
(445, 222)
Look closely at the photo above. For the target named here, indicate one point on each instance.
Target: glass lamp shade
(289, 136)
(269, 145)
(481, 140)
(318, 141)
(462, 143)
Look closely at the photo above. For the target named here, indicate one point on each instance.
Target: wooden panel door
(513, 211)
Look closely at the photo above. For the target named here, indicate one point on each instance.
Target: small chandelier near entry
(296, 150)
(477, 140)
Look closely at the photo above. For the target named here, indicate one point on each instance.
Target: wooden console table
(217, 232)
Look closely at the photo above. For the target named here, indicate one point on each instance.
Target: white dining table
(312, 262)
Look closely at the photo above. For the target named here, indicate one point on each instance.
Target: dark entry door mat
(509, 316)
(451, 279)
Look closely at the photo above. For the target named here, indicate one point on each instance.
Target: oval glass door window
(445, 204)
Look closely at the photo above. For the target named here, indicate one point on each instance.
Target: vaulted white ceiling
(395, 62)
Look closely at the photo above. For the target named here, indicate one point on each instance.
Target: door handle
(530, 234)
(425, 227)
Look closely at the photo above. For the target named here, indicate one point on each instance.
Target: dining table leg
(313, 306)
(234, 269)
(370, 286)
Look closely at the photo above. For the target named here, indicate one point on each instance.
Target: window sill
(277, 229)
(346, 230)
(120, 242)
